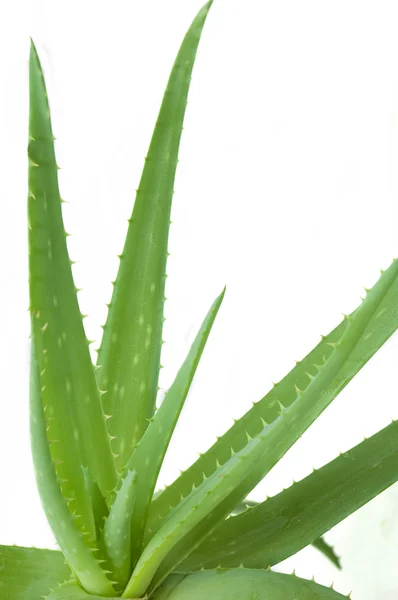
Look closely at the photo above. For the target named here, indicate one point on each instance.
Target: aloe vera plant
(98, 441)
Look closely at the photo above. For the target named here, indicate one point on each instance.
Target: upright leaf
(148, 457)
(116, 534)
(75, 423)
(130, 350)
(284, 524)
(65, 525)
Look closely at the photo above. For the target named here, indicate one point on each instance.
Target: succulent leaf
(190, 512)
(129, 356)
(168, 585)
(98, 503)
(116, 534)
(30, 573)
(320, 544)
(71, 590)
(148, 457)
(75, 423)
(63, 523)
(381, 325)
(237, 584)
(195, 517)
(289, 521)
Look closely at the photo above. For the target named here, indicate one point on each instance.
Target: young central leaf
(116, 533)
(148, 456)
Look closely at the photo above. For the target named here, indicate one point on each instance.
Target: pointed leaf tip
(135, 317)
(149, 454)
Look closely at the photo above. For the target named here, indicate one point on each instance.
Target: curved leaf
(266, 443)
(167, 587)
(286, 523)
(239, 584)
(380, 326)
(71, 590)
(320, 544)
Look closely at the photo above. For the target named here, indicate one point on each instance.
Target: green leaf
(320, 544)
(189, 514)
(129, 355)
(63, 523)
(289, 521)
(116, 534)
(72, 591)
(30, 573)
(148, 457)
(328, 551)
(194, 518)
(243, 506)
(100, 508)
(75, 423)
(168, 585)
(250, 584)
(380, 326)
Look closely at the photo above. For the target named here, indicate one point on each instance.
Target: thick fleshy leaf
(98, 502)
(167, 586)
(188, 515)
(148, 457)
(30, 573)
(71, 590)
(320, 544)
(116, 534)
(194, 518)
(63, 523)
(282, 525)
(129, 355)
(380, 326)
(75, 423)
(239, 584)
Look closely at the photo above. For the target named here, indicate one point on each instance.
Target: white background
(286, 191)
